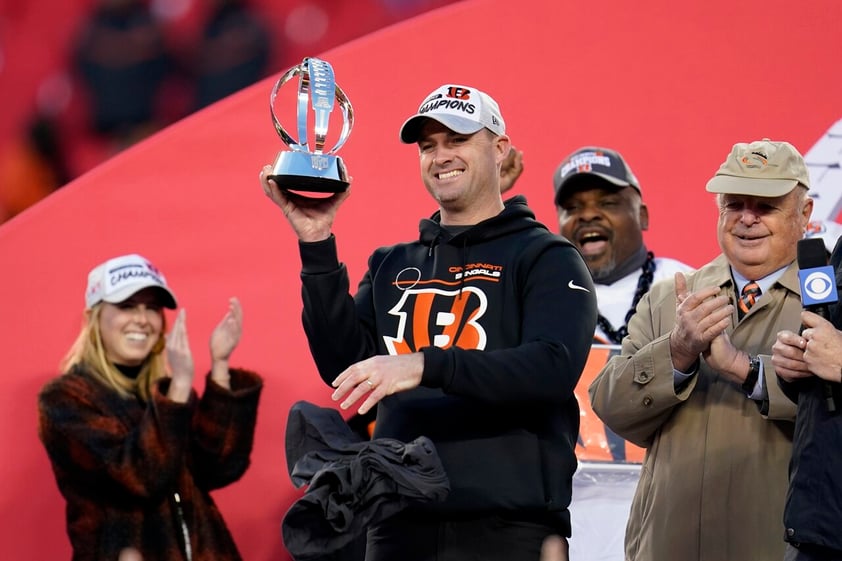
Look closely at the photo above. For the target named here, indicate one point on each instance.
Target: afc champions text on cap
(462, 109)
(119, 278)
(593, 161)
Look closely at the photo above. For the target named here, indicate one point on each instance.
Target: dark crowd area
(112, 72)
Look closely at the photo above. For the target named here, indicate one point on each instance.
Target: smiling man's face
(759, 235)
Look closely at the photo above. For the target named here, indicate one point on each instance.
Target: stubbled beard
(602, 272)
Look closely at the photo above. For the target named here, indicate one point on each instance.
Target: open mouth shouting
(592, 242)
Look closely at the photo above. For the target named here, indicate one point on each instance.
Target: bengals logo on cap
(755, 159)
(458, 92)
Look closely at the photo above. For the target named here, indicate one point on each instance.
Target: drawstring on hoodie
(463, 254)
(433, 244)
(515, 217)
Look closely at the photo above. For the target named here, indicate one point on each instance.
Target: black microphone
(818, 289)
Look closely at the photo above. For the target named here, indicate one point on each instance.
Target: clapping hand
(226, 335)
(223, 341)
(700, 317)
(180, 360)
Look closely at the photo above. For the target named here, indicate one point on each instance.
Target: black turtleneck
(129, 371)
(633, 263)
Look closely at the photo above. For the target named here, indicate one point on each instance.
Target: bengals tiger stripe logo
(440, 317)
(458, 93)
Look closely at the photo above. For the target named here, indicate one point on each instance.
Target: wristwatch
(753, 373)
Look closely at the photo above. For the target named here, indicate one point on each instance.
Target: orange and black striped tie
(750, 294)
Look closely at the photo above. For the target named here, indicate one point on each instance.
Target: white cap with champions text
(462, 109)
(119, 278)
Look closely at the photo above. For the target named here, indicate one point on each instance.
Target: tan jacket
(714, 477)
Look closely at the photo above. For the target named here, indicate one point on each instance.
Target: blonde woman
(134, 450)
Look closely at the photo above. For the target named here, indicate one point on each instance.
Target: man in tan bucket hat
(695, 384)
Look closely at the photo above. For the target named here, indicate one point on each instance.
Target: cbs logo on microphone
(818, 286)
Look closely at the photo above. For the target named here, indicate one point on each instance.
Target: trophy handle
(325, 90)
(282, 132)
(347, 119)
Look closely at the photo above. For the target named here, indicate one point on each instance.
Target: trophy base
(307, 172)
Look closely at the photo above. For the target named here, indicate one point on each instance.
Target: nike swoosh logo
(575, 286)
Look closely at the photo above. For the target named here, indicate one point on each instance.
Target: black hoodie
(504, 314)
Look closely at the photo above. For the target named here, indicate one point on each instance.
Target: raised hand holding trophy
(317, 170)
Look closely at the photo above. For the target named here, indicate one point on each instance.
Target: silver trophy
(303, 168)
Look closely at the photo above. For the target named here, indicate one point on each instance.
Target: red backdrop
(672, 87)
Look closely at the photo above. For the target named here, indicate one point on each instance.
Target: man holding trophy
(474, 335)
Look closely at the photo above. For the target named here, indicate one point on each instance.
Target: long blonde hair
(88, 351)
